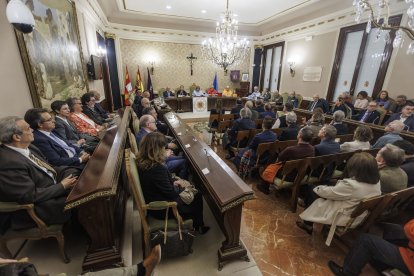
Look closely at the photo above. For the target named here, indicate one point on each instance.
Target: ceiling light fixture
(383, 11)
(226, 49)
(203, 11)
(168, 7)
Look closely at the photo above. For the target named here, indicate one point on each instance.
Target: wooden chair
(150, 224)
(41, 231)
(221, 129)
(382, 111)
(290, 168)
(227, 117)
(300, 99)
(344, 138)
(135, 123)
(277, 131)
(323, 166)
(242, 136)
(132, 142)
(285, 96)
(340, 160)
(400, 201)
(371, 207)
(279, 146)
(259, 123)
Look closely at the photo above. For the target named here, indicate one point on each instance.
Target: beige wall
(171, 65)
(319, 51)
(14, 91)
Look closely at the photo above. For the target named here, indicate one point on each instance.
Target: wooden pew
(222, 188)
(100, 197)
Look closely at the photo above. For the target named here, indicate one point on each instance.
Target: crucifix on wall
(191, 58)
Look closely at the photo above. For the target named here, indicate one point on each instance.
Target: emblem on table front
(200, 104)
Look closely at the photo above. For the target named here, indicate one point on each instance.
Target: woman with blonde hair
(158, 185)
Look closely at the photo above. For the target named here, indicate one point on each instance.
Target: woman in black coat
(158, 185)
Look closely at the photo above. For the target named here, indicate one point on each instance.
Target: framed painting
(52, 54)
(245, 77)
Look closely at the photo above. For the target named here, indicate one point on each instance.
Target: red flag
(127, 88)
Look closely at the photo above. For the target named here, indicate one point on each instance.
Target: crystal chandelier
(226, 49)
(383, 11)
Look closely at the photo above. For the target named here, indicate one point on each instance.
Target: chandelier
(383, 11)
(226, 49)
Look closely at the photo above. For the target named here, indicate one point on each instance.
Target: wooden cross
(191, 58)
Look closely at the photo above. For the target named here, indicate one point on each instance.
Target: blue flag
(215, 82)
(149, 85)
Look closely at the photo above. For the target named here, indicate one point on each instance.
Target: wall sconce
(152, 63)
(291, 64)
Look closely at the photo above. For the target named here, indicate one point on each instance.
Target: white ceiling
(246, 13)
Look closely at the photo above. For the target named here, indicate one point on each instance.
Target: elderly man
(291, 131)
(98, 107)
(162, 127)
(338, 122)
(267, 112)
(198, 92)
(318, 102)
(408, 164)
(255, 114)
(181, 92)
(400, 102)
(168, 93)
(175, 164)
(145, 102)
(255, 94)
(26, 177)
(405, 116)
(277, 98)
(392, 177)
(328, 145)
(369, 115)
(57, 151)
(227, 92)
(393, 131)
(88, 102)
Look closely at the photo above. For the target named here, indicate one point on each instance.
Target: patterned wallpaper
(171, 65)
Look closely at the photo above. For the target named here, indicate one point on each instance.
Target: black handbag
(174, 243)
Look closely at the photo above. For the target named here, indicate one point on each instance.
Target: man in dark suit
(369, 115)
(338, 123)
(399, 103)
(291, 131)
(405, 116)
(236, 110)
(168, 93)
(408, 164)
(161, 127)
(88, 102)
(286, 109)
(181, 92)
(57, 151)
(98, 107)
(268, 112)
(328, 145)
(66, 131)
(259, 106)
(26, 178)
(318, 103)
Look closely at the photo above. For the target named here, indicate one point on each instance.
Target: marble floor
(269, 231)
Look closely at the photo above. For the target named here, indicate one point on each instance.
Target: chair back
(132, 142)
(192, 88)
(213, 117)
(261, 149)
(259, 123)
(373, 152)
(227, 117)
(300, 99)
(400, 201)
(344, 138)
(277, 131)
(323, 166)
(135, 123)
(279, 146)
(242, 135)
(161, 92)
(285, 96)
(382, 111)
(223, 126)
(340, 160)
(135, 184)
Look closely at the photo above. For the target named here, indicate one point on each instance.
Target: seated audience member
(26, 178)
(337, 122)
(392, 177)
(277, 98)
(362, 136)
(266, 95)
(339, 105)
(56, 151)
(181, 92)
(383, 100)
(88, 102)
(255, 114)
(369, 115)
(145, 102)
(348, 100)
(408, 164)
(318, 102)
(168, 93)
(293, 100)
(393, 131)
(161, 127)
(12, 267)
(198, 92)
(83, 123)
(324, 202)
(362, 100)
(136, 102)
(302, 150)
(66, 131)
(175, 164)
(243, 123)
(212, 91)
(158, 185)
(379, 253)
(227, 92)
(328, 145)
(316, 122)
(98, 107)
(405, 116)
(255, 94)
(266, 136)
(236, 110)
(400, 102)
(259, 106)
(291, 131)
(267, 112)
(286, 109)
(218, 109)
